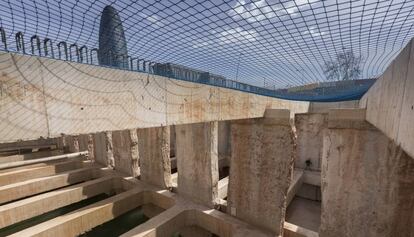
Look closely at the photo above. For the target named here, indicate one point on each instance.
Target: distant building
(112, 44)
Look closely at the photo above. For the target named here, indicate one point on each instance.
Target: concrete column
(125, 150)
(72, 143)
(224, 147)
(367, 180)
(85, 142)
(197, 161)
(309, 130)
(154, 154)
(61, 142)
(260, 169)
(172, 140)
(103, 148)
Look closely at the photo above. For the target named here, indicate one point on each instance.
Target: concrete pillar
(197, 162)
(309, 130)
(72, 143)
(154, 154)
(61, 142)
(125, 150)
(224, 147)
(172, 140)
(103, 149)
(260, 169)
(367, 181)
(85, 142)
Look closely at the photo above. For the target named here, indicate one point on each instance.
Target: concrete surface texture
(305, 213)
(224, 145)
(367, 182)
(154, 153)
(260, 169)
(44, 97)
(197, 161)
(103, 148)
(169, 213)
(390, 101)
(120, 130)
(309, 131)
(125, 150)
(324, 107)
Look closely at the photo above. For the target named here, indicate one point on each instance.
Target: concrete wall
(309, 131)
(324, 107)
(390, 101)
(46, 97)
(367, 183)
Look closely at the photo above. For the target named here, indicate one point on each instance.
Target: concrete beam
(291, 230)
(34, 186)
(260, 169)
(174, 179)
(43, 164)
(198, 162)
(367, 182)
(21, 175)
(348, 118)
(223, 187)
(154, 152)
(223, 162)
(153, 227)
(46, 159)
(74, 224)
(194, 222)
(312, 177)
(30, 207)
(29, 156)
(28, 145)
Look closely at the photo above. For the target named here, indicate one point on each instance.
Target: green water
(119, 225)
(50, 215)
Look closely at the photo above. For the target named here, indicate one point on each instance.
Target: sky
(275, 44)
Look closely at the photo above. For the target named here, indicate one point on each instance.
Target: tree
(346, 67)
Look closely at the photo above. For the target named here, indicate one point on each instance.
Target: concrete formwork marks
(197, 161)
(260, 169)
(154, 153)
(367, 185)
(390, 101)
(125, 151)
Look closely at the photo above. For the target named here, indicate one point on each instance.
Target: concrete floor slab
(304, 213)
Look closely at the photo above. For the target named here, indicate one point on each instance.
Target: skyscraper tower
(112, 44)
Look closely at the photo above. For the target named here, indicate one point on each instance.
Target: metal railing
(83, 55)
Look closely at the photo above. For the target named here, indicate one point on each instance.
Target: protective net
(301, 50)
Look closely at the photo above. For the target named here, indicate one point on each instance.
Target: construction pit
(199, 160)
